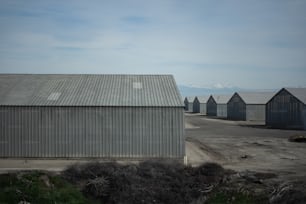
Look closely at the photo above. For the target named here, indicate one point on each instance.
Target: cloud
(219, 86)
(200, 42)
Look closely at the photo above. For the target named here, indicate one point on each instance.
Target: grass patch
(38, 187)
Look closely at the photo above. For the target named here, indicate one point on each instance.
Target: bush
(234, 198)
(37, 187)
(160, 181)
(297, 138)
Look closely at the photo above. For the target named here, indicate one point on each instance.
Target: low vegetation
(38, 187)
(297, 138)
(147, 182)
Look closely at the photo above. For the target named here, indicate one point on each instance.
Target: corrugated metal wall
(186, 104)
(256, 112)
(190, 106)
(222, 110)
(304, 117)
(203, 108)
(236, 108)
(108, 132)
(196, 105)
(199, 107)
(211, 107)
(284, 111)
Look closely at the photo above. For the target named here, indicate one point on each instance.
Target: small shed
(217, 105)
(221, 101)
(248, 106)
(287, 109)
(211, 106)
(199, 104)
(90, 116)
(186, 104)
(189, 103)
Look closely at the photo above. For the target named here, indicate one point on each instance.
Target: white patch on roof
(137, 85)
(54, 96)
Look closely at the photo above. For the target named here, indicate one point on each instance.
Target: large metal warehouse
(287, 109)
(199, 104)
(248, 106)
(217, 105)
(189, 103)
(91, 116)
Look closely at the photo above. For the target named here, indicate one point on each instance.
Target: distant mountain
(196, 91)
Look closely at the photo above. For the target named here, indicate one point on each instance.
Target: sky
(252, 44)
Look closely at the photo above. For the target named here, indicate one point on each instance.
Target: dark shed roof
(189, 99)
(202, 99)
(221, 99)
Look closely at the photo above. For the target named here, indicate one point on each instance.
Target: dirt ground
(243, 146)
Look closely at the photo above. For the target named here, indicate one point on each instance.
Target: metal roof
(88, 90)
(203, 99)
(221, 99)
(256, 97)
(299, 93)
(189, 99)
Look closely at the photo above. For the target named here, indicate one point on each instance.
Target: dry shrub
(166, 181)
(289, 193)
(98, 187)
(161, 181)
(297, 138)
(291, 196)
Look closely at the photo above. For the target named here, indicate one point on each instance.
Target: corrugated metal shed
(211, 106)
(199, 104)
(189, 103)
(248, 106)
(236, 108)
(221, 101)
(186, 104)
(217, 105)
(105, 116)
(287, 109)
